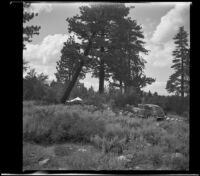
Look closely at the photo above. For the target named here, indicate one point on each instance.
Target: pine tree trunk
(182, 85)
(72, 83)
(182, 80)
(101, 77)
(125, 88)
(101, 74)
(120, 86)
(77, 73)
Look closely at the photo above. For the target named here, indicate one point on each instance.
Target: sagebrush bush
(110, 134)
(97, 100)
(83, 129)
(131, 98)
(115, 130)
(114, 139)
(180, 163)
(155, 155)
(110, 162)
(152, 134)
(45, 126)
(133, 123)
(61, 150)
(83, 160)
(32, 154)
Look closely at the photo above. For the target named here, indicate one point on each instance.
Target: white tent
(75, 99)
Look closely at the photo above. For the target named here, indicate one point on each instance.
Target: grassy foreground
(85, 138)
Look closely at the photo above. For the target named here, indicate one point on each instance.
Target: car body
(151, 110)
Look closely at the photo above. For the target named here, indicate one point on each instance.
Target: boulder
(82, 150)
(177, 155)
(137, 168)
(123, 157)
(42, 162)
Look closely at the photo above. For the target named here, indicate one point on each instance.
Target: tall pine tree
(179, 81)
(87, 26)
(126, 64)
(69, 61)
(28, 31)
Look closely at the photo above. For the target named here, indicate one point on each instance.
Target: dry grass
(148, 143)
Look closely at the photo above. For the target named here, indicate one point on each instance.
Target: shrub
(61, 150)
(152, 135)
(83, 129)
(134, 123)
(83, 160)
(45, 126)
(114, 139)
(131, 97)
(115, 130)
(155, 155)
(97, 100)
(32, 154)
(111, 162)
(180, 163)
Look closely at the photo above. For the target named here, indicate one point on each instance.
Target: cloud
(167, 28)
(39, 7)
(89, 81)
(158, 86)
(161, 42)
(47, 50)
(160, 55)
(43, 56)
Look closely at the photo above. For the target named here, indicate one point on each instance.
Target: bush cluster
(146, 140)
(47, 126)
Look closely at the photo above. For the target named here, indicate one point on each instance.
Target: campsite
(106, 86)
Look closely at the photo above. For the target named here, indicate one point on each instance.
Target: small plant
(180, 163)
(62, 150)
(83, 161)
(111, 162)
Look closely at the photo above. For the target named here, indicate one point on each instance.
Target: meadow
(84, 137)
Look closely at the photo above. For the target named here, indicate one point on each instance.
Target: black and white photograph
(106, 86)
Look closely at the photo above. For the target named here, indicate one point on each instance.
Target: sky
(160, 23)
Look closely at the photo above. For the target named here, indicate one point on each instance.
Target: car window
(159, 110)
(148, 108)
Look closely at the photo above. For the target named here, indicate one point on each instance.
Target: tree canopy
(179, 81)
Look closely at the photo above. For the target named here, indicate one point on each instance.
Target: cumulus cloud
(167, 28)
(43, 56)
(39, 7)
(160, 55)
(160, 43)
(47, 50)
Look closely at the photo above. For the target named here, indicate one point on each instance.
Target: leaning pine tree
(179, 81)
(87, 26)
(70, 58)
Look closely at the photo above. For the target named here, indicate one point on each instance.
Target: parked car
(149, 110)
